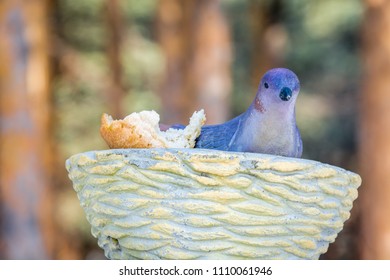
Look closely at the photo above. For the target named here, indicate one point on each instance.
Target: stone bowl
(208, 204)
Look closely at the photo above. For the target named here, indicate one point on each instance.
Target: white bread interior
(141, 130)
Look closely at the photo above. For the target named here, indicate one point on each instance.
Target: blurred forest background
(65, 62)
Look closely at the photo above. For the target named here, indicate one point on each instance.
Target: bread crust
(141, 130)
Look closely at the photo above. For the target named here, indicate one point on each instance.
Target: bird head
(278, 90)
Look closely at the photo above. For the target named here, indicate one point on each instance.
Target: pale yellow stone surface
(206, 204)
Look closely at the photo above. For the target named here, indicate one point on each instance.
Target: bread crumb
(141, 130)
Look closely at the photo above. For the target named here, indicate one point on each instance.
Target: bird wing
(299, 144)
(218, 136)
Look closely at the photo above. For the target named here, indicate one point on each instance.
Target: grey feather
(218, 136)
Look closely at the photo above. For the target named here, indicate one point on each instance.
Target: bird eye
(266, 85)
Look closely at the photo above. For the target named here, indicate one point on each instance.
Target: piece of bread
(141, 130)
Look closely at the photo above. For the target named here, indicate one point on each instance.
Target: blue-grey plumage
(268, 126)
(218, 136)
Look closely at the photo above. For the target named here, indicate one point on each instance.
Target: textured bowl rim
(213, 152)
(294, 167)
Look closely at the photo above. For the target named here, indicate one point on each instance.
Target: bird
(268, 126)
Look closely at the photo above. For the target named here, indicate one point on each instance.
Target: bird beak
(285, 94)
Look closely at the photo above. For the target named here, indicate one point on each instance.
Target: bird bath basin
(208, 204)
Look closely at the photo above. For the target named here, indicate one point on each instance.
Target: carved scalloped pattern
(202, 204)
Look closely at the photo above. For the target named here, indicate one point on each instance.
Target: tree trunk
(210, 65)
(116, 89)
(26, 230)
(375, 132)
(195, 38)
(269, 37)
